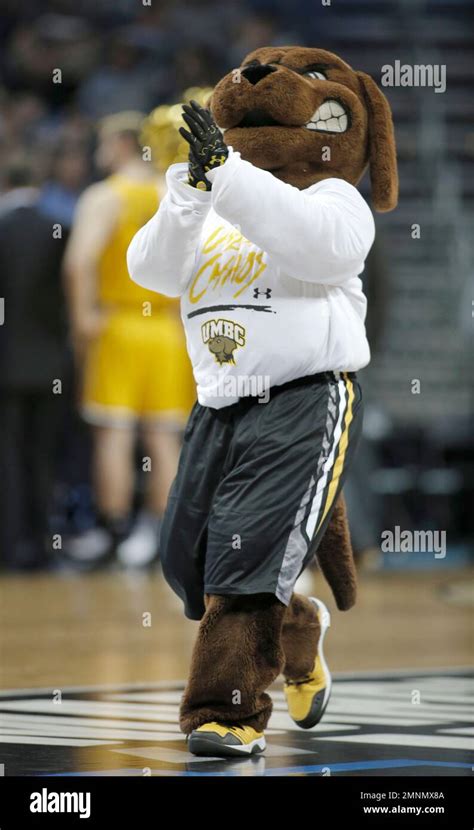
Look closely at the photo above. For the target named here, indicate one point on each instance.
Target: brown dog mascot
(263, 235)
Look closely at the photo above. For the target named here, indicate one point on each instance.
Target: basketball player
(129, 343)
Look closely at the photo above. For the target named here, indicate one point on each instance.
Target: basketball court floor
(93, 667)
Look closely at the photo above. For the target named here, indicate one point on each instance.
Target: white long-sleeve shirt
(267, 275)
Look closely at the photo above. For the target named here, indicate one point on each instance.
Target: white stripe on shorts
(316, 506)
(297, 546)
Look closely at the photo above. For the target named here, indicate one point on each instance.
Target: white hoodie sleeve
(320, 235)
(161, 255)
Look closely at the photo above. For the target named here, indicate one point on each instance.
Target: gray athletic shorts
(255, 488)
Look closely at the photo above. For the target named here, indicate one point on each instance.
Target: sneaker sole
(325, 621)
(202, 745)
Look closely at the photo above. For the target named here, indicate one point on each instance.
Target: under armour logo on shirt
(267, 293)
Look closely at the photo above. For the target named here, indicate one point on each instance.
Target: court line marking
(183, 756)
(410, 739)
(46, 740)
(347, 767)
(18, 719)
(93, 733)
(391, 674)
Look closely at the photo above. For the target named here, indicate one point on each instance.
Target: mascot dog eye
(306, 115)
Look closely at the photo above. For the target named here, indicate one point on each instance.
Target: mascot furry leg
(244, 643)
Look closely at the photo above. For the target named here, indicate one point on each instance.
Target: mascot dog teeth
(266, 219)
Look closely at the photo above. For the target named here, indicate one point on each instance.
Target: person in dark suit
(33, 367)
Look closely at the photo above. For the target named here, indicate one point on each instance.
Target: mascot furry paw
(263, 235)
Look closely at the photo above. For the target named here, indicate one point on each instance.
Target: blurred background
(415, 467)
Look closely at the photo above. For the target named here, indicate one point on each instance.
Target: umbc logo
(223, 337)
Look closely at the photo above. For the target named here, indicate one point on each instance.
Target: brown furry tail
(336, 559)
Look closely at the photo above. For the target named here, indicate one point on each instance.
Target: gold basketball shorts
(138, 369)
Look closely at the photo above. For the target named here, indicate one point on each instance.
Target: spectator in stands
(125, 81)
(69, 173)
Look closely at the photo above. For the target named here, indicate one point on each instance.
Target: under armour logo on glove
(215, 161)
(207, 149)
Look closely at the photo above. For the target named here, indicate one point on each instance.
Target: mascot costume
(263, 234)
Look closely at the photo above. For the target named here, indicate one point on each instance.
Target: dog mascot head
(305, 115)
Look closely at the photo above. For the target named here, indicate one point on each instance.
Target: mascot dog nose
(254, 74)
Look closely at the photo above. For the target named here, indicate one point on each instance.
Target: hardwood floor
(117, 627)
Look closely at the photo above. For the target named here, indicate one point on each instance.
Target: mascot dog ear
(382, 151)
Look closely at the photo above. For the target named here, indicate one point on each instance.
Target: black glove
(206, 145)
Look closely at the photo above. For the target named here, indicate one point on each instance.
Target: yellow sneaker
(307, 698)
(216, 739)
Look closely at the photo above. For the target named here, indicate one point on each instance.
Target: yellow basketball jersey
(138, 202)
